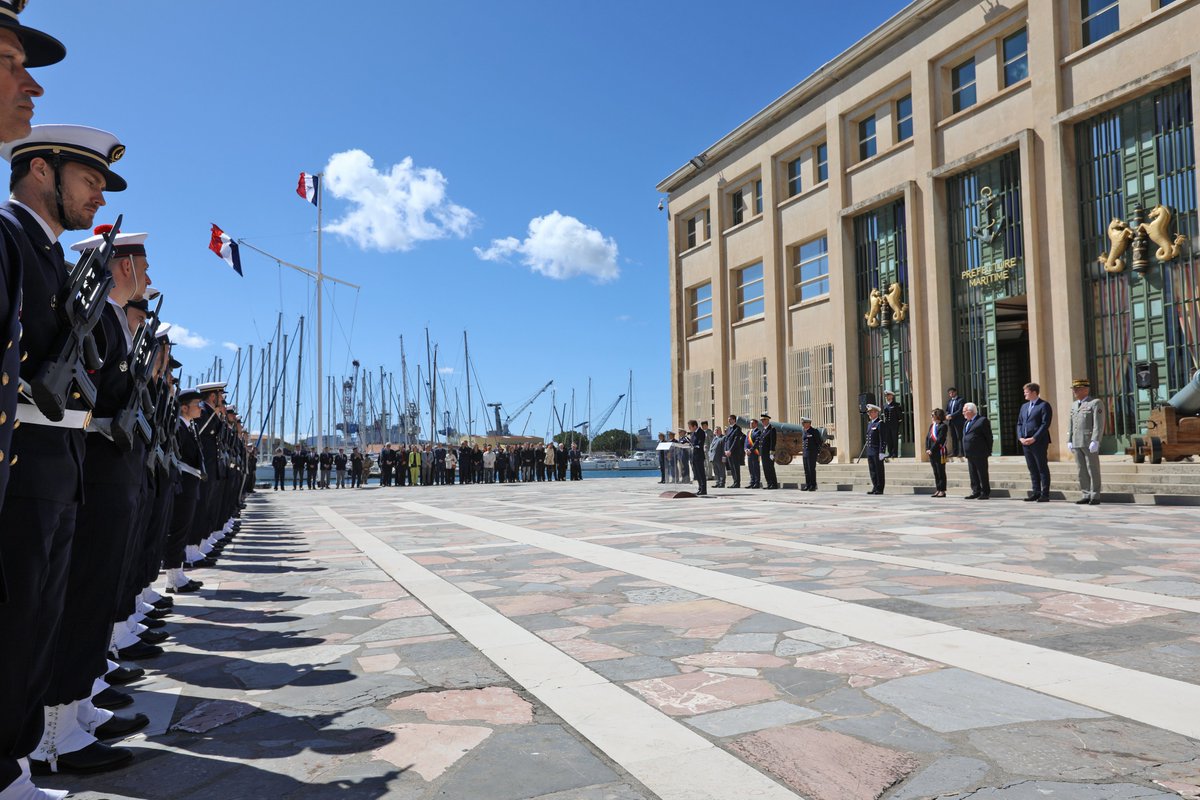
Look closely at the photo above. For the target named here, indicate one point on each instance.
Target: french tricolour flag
(223, 245)
(308, 187)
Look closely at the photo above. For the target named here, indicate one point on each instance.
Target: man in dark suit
(766, 450)
(954, 415)
(1033, 432)
(299, 459)
(977, 444)
(875, 448)
(735, 450)
(697, 443)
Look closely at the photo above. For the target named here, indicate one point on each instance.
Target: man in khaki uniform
(1086, 429)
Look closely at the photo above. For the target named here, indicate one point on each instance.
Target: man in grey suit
(1086, 429)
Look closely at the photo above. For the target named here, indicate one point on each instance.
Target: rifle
(80, 303)
(156, 459)
(138, 405)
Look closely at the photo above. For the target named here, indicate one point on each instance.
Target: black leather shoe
(111, 699)
(187, 588)
(201, 564)
(984, 497)
(1082, 502)
(96, 757)
(139, 652)
(154, 637)
(971, 497)
(119, 727)
(153, 624)
(1043, 499)
(164, 604)
(123, 675)
(1095, 501)
(158, 613)
(1031, 498)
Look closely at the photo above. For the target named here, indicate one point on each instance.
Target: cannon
(788, 442)
(1173, 430)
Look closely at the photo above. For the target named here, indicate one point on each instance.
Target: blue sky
(520, 109)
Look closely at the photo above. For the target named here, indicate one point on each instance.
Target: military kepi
(41, 49)
(1081, 383)
(89, 146)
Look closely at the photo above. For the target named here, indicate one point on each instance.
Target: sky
(490, 168)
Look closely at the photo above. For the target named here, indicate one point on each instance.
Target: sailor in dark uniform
(209, 429)
(875, 448)
(299, 459)
(191, 469)
(766, 448)
(892, 416)
(59, 176)
(33, 524)
(810, 447)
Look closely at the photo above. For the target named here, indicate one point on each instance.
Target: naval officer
(875, 448)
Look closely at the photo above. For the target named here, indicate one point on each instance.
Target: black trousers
(1039, 469)
(939, 472)
(280, 479)
(181, 521)
(735, 473)
(98, 552)
(36, 550)
(810, 471)
(875, 467)
(977, 468)
(768, 468)
(698, 470)
(891, 435)
(755, 476)
(956, 435)
(297, 478)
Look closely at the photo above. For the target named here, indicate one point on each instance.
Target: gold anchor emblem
(989, 227)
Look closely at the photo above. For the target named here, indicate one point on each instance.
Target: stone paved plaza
(594, 641)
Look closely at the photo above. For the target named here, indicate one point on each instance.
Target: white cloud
(559, 247)
(392, 210)
(230, 346)
(182, 337)
(446, 370)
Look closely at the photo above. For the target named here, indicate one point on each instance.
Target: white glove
(881, 456)
(1070, 447)
(1094, 447)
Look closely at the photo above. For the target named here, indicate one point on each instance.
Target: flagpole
(320, 327)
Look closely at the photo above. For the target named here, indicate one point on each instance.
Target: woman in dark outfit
(935, 448)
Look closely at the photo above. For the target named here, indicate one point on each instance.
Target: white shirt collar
(45, 227)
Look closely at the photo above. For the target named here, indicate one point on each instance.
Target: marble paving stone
(803, 683)
(1053, 790)
(737, 721)
(383, 662)
(845, 703)
(1088, 750)
(970, 599)
(763, 623)
(1174, 588)
(429, 750)
(496, 705)
(752, 660)
(471, 672)
(315, 607)
(634, 668)
(795, 647)
(401, 629)
(562, 634)
(823, 765)
(701, 692)
(1098, 609)
(521, 605)
(890, 730)
(820, 637)
(584, 650)
(866, 660)
(660, 595)
(747, 642)
(690, 614)
(955, 700)
(210, 714)
(400, 609)
(946, 775)
(527, 762)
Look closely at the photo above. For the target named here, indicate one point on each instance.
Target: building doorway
(1012, 369)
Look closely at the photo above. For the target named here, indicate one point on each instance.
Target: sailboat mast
(299, 374)
(467, 359)
(404, 383)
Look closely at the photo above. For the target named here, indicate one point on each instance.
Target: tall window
(746, 201)
(696, 230)
(758, 197)
(904, 125)
(822, 162)
(866, 138)
(701, 302)
(794, 183)
(1100, 18)
(750, 291)
(962, 85)
(738, 207)
(812, 269)
(1016, 57)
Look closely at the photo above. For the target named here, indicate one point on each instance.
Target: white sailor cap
(888, 392)
(152, 292)
(212, 386)
(873, 406)
(127, 244)
(805, 419)
(90, 146)
(41, 49)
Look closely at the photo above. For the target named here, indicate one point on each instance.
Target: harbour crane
(588, 427)
(502, 427)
